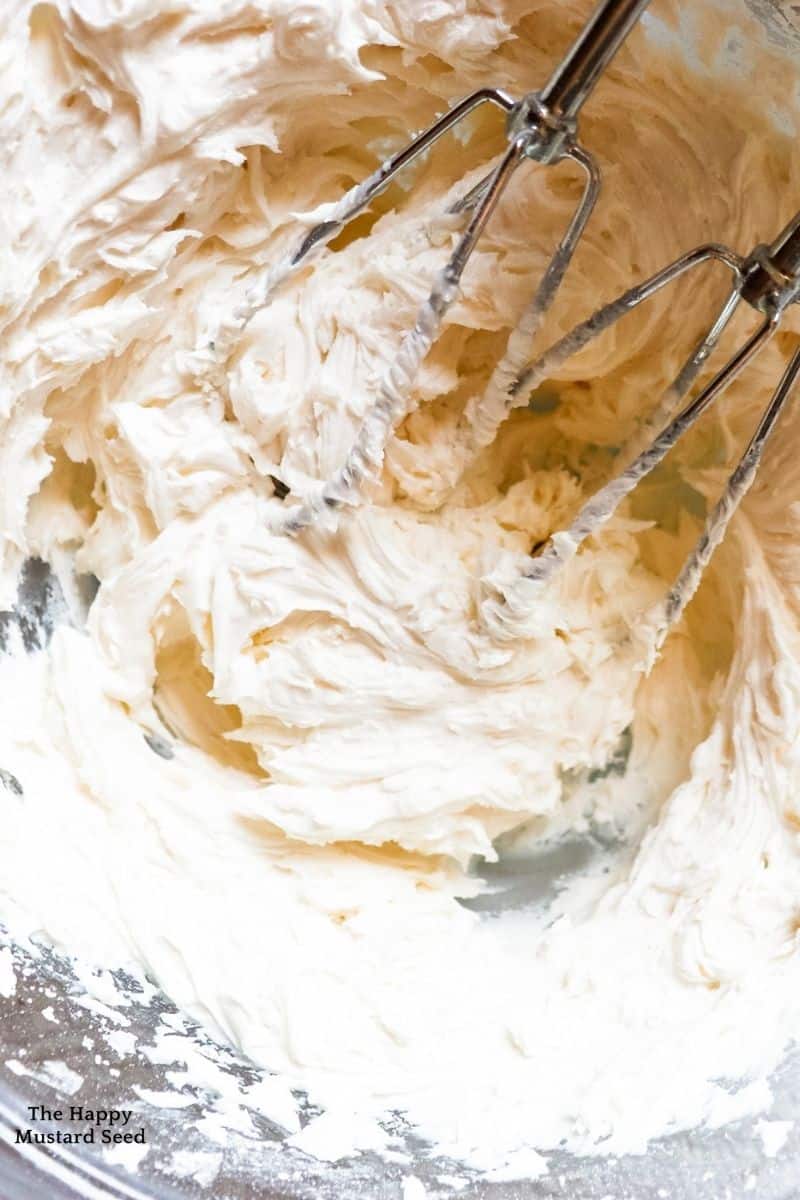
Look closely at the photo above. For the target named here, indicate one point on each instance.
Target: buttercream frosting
(265, 766)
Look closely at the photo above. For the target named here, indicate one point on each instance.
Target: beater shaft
(574, 79)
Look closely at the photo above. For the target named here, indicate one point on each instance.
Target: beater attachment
(768, 280)
(541, 127)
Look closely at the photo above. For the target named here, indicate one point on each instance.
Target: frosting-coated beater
(541, 127)
(768, 279)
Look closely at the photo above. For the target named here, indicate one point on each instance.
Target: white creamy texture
(347, 733)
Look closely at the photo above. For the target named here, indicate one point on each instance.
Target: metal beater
(768, 279)
(542, 127)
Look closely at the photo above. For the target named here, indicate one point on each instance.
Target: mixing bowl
(105, 1041)
(182, 1162)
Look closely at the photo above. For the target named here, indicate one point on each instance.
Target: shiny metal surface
(574, 79)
